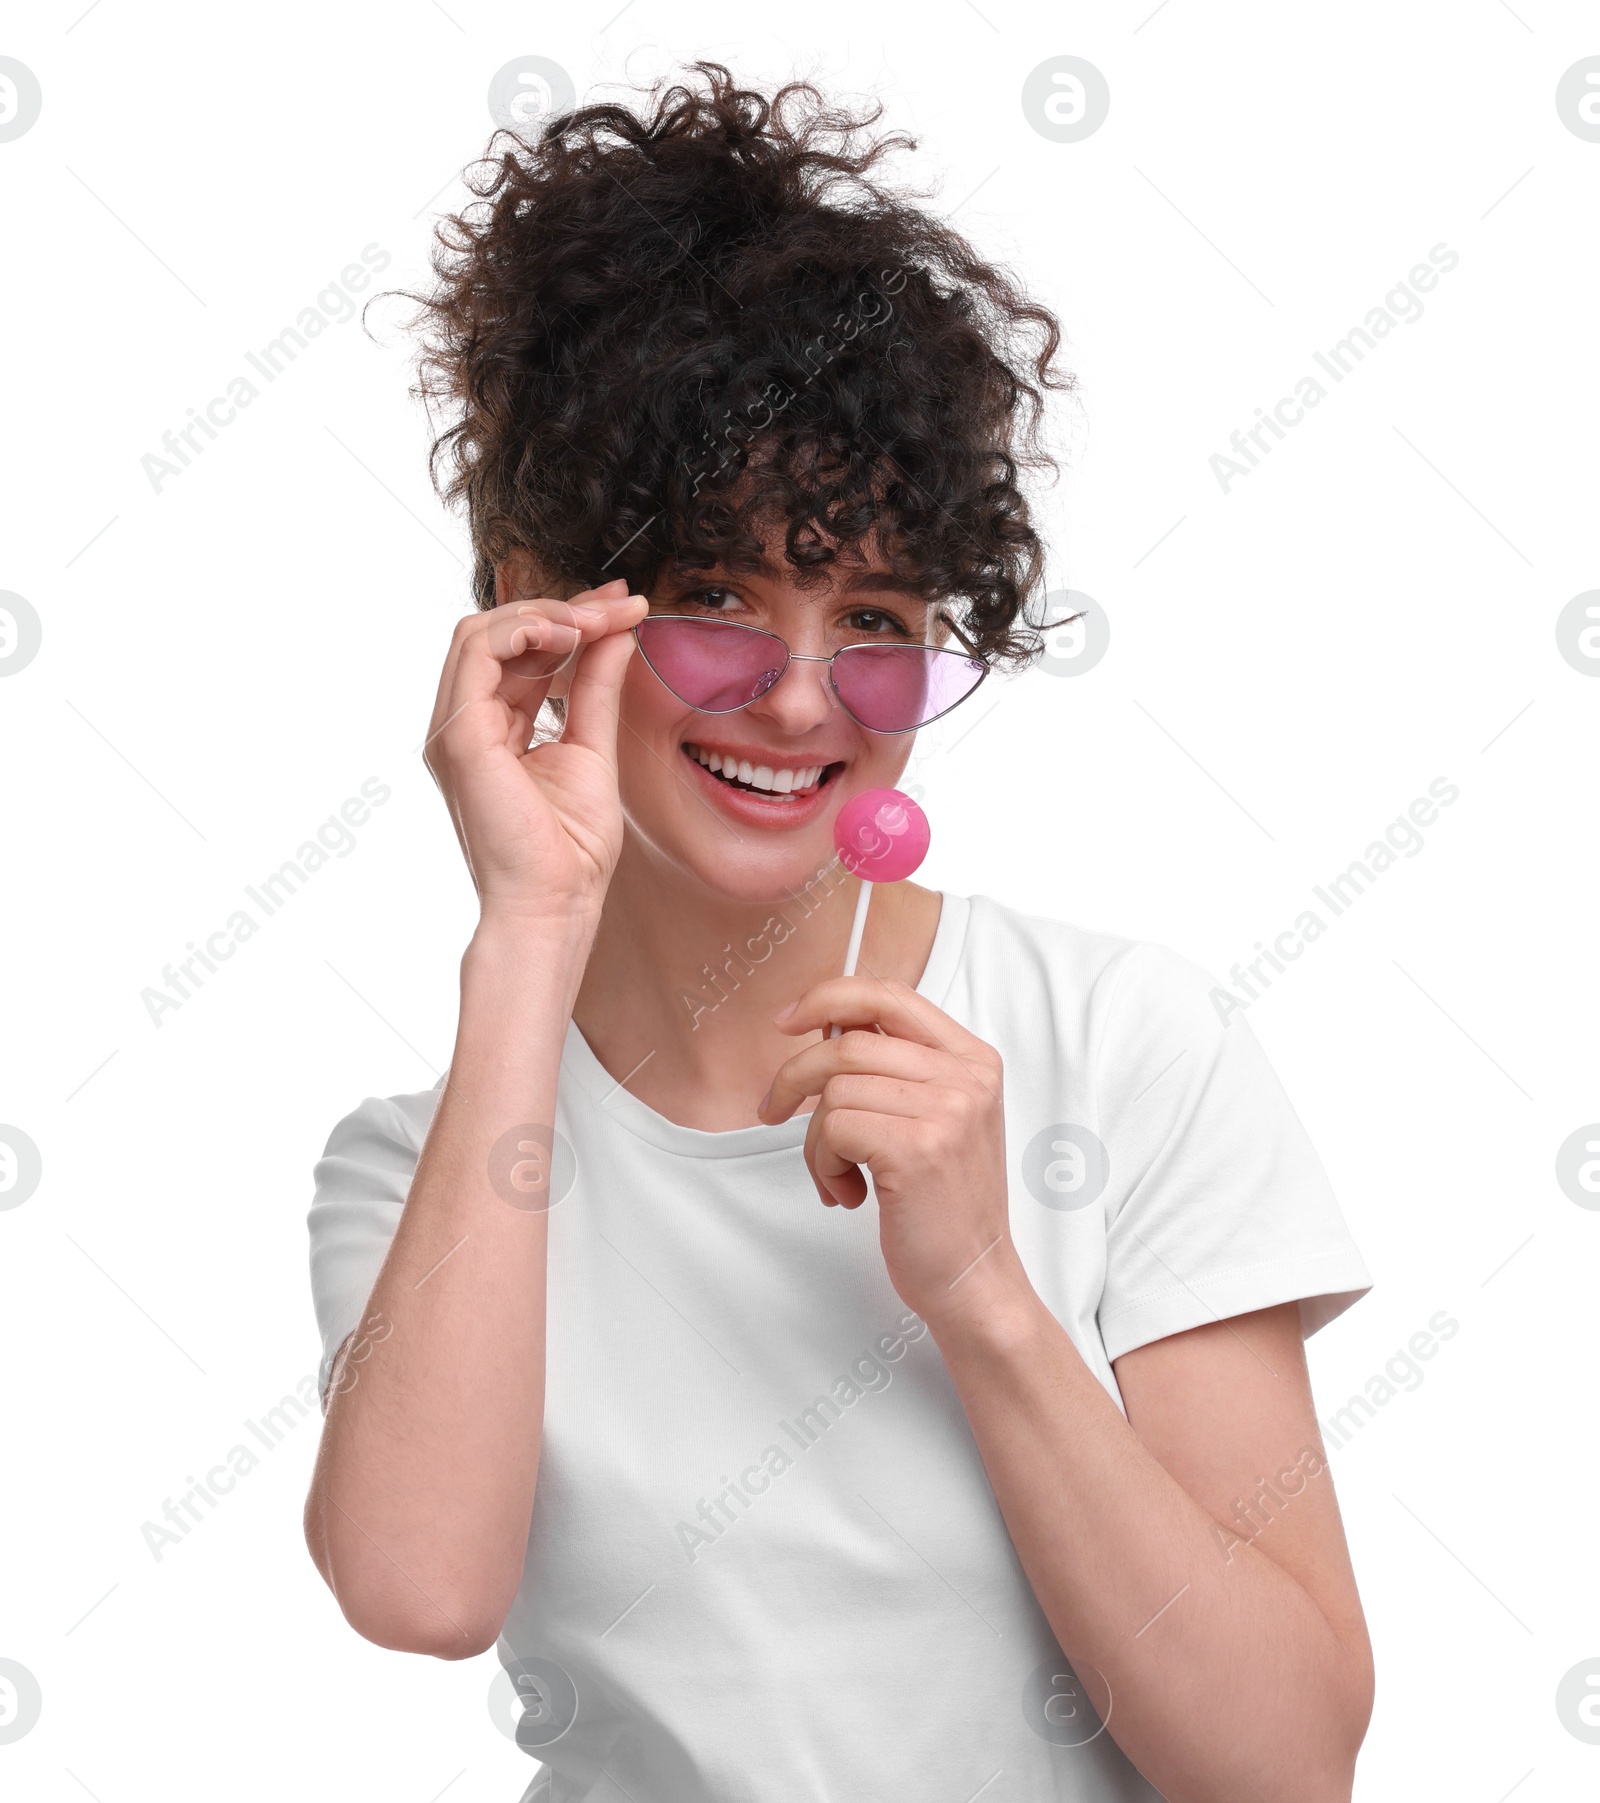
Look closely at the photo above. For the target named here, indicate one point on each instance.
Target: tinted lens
(713, 665)
(892, 688)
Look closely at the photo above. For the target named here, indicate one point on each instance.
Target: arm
(1222, 1613)
(423, 1491)
(1233, 1645)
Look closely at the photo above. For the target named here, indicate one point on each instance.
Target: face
(741, 838)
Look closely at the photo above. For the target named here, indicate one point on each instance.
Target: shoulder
(380, 1138)
(1098, 988)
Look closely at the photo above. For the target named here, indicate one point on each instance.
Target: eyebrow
(858, 582)
(862, 582)
(881, 582)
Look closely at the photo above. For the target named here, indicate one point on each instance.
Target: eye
(713, 597)
(875, 621)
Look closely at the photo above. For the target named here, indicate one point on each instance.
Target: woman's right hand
(540, 827)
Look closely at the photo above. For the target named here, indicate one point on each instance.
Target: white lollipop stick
(857, 927)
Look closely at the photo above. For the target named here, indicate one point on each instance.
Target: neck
(682, 983)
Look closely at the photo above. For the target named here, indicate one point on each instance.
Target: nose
(800, 700)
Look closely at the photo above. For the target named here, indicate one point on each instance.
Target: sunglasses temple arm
(966, 643)
(853, 952)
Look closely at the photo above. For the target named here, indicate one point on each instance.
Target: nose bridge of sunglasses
(798, 669)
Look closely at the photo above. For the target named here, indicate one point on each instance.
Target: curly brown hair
(656, 333)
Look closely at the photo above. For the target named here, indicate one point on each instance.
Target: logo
(20, 1700)
(1066, 99)
(1066, 1167)
(20, 634)
(532, 1167)
(1056, 1704)
(533, 1702)
(1577, 632)
(19, 98)
(527, 92)
(1578, 1701)
(1578, 1166)
(20, 1167)
(1578, 99)
(1076, 632)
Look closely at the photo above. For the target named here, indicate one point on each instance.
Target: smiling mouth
(774, 782)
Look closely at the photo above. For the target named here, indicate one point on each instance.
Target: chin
(764, 874)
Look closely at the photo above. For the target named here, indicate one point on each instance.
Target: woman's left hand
(916, 1099)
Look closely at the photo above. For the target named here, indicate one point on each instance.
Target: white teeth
(758, 776)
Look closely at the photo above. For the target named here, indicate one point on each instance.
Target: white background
(1291, 663)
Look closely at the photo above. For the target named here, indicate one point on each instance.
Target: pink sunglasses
(720, 666)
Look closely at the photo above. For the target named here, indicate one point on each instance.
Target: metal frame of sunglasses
(969, 653)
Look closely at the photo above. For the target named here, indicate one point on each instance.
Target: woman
(1018, 1492)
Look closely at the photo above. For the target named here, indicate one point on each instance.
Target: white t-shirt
(766, 1565)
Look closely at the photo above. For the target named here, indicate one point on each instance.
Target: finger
(512, 653)
(839, 1142)
(468, 626)
(447, 675)
(594, 700)
(480, 707)
(840, 1181)
(471, 673)
(881, 1002)
(558, 628)
(857, 1051)
(892, 1097)
(474, 623)
(549, 666)
(536, 640)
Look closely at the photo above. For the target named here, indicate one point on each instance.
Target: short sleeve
(359, 1189)
(1217, 1203)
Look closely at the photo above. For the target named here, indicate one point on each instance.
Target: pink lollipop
(881, 836)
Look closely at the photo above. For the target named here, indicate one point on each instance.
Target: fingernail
(783, 1014)
(761, 1106)
(591, 613)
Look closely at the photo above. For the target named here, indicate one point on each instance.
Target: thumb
(594, 700)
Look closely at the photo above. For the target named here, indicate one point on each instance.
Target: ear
(518, 578)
